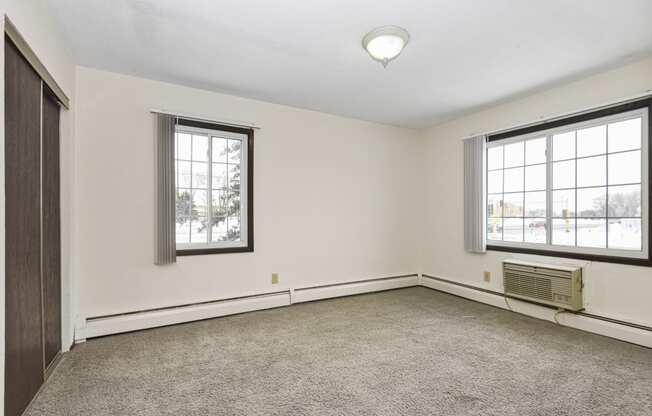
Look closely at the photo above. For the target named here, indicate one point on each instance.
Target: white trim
(585, 323)
(347, 289)
(176, 315)
(96, 327)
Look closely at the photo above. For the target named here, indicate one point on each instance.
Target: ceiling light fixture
(385, 43)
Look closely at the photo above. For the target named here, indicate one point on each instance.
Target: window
(213, 188)
(576, 187)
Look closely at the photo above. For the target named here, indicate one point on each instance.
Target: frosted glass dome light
(385, 43)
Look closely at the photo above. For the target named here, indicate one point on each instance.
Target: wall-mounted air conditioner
(555, 285)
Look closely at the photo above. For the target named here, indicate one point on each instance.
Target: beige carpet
(404, 352)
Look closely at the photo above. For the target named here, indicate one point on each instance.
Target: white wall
(32, 19)
(617, 291)
(333, 199)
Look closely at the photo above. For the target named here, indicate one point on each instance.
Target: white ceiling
(464, 54)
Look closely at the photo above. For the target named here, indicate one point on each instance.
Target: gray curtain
(165, 190)
(474, 194)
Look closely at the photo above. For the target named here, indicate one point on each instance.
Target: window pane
(535, 178)
(563, 232)
(495, 157)
(182, 231)
(234, 151)
(233, 206)
(535, 204)
(513, 205)
(625, 167)
(563, 174)
(494, 206)
(199, 207)
(219, 205)
(535, 151)
(183, 174)
(199, 230)
(514, 154)
(199, 216)
(183, 203)
(514, 180)
(219, 150)
(182, 208)
(513, 229)
(625, 135)
(563, 203)
(625, 234)
(233, 217)
(199, 148)
(592, 141)
(495, 229)
(592, 171)
(495, 182)
(535, 230)
(591, 202)
(218, 232)
(183, 146)
(563, 146)
(233, 233)
(625, 201)
(199, 175)
(592, 233)
(219, 176)
(234, 177)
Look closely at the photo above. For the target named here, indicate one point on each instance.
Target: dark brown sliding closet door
(51, 228)
(24, 325)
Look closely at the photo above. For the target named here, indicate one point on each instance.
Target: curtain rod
(232, 123)
(544, 119)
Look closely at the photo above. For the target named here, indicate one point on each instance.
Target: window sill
(213, 250)
(590, 257)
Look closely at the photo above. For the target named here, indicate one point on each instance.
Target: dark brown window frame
(250, 188)
(620, 108)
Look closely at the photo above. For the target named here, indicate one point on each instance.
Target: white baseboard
(151, 319)
(585, 323)
(346, 289)
(96, 327)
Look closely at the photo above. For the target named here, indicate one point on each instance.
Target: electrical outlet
(487, 276)
(274, 278)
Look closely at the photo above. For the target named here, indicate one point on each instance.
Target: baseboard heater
(307, 294)
(614, 328)
(152, 318)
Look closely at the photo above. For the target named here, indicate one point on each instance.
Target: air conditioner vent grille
(529, 286)
(558, 287)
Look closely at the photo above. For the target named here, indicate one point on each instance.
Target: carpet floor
(403, 352)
